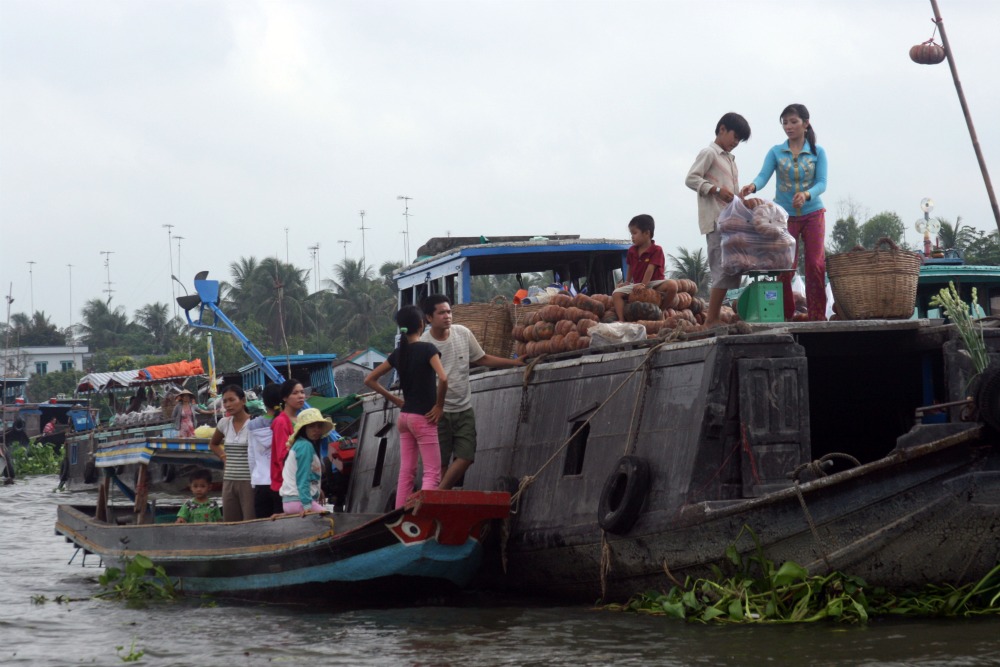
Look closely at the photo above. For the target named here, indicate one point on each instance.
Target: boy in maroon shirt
(645, 262)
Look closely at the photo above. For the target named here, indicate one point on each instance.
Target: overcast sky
(233, 121)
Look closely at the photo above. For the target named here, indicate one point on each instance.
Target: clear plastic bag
(611, 333)
(756, 242)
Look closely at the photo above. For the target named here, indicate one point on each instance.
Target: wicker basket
(489, 323)
(875, 284)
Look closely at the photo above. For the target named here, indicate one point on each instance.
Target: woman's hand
(799, 200)
(398, 401)
(434, 416)
(748, 190)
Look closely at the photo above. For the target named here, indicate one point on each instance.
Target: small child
(201, 508)
(716, 180)
(645, 262)
(302, 471)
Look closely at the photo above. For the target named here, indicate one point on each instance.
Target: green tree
(103, 327)
(155, 320)
(32, 331)
(983, 248)
(885, 224)
(43, 387)
(362, 304)
(690, 265)
(845, 235)
(957, 236)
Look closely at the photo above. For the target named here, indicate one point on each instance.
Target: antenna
(170, 255)
(286, 245)
(178, 239)
(344, 243)
(70, 267)
(314, 255)
(406, 232)
(107, 266)
(31, 282)
(363, 228)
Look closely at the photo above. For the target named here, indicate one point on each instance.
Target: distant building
(349, 372)
(23, 362)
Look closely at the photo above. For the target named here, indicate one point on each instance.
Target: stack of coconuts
(562, 325)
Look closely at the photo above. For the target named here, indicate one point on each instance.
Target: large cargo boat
(630, 462)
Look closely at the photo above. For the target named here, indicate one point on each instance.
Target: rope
(817, 468)
(605, 563)
(528, 480)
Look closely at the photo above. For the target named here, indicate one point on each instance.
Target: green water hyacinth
(759, 592)
(960, 314)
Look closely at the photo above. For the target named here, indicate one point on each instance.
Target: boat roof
(943, 273)
(532, 254)
(279, 360)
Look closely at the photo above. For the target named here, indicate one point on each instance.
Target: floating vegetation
(139, 582)
(132, 655)
(761, 593)
(35, 458)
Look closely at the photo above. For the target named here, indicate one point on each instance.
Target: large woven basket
(875, 284)
(489, 323)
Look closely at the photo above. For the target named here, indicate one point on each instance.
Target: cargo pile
(562, 325)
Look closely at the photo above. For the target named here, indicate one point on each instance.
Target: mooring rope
(817, 468)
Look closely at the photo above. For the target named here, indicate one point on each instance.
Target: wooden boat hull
(435, 540)
(720, 423)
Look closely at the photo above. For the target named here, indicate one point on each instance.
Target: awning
(165, 450)
(343, 406)
(141, 376)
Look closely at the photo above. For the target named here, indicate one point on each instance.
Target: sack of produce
(753, 241)
(612, 333)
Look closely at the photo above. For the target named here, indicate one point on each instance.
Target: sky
(262, 128)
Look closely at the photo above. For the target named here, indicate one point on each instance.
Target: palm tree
(35, 330)
(955, 236)
(155, 319)
(282, 300)
(693, 266)
(102, 327)
(238, 294)
(363, 304)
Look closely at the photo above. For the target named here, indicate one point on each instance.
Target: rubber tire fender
(90, 471)
(988, 396)
(623, 495)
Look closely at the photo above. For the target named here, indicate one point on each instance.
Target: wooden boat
(848, 446)
(435, 541)
(633, 461)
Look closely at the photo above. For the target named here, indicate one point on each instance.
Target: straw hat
(306, 417)
(184, 392)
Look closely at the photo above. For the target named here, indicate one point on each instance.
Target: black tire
(90, 472)
(506, 483)
(988, 396)
(623, 495)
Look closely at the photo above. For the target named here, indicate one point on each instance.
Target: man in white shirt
(459, 348)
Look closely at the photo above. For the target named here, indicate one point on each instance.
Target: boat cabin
(586, 264)
(935, 275)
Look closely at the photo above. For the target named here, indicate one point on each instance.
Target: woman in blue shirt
(800, 166)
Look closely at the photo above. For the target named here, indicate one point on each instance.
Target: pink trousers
(296, 507)
(811, 229)
(417, 436)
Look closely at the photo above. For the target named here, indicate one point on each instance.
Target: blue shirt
(806, 173)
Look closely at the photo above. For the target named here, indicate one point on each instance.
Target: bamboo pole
(968, 116)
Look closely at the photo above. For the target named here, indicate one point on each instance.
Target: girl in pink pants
(419, 367)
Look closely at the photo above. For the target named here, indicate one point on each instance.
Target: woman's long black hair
(287, 387)
(803, 113)
(409, 319)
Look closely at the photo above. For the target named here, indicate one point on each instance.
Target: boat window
(379, 462)
(576, 449)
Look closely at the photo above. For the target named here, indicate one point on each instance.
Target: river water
(475, 629)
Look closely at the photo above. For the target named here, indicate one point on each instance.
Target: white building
(23, 362)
